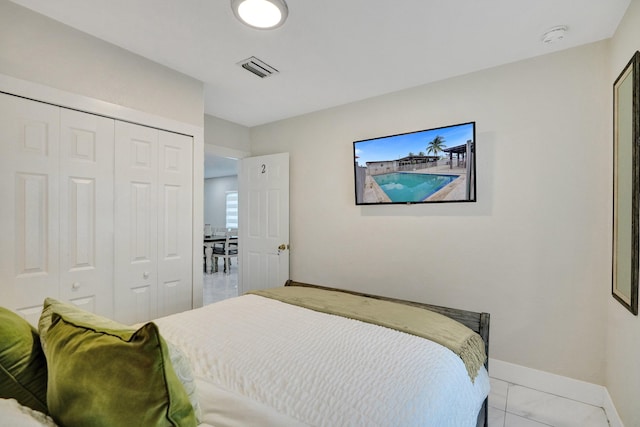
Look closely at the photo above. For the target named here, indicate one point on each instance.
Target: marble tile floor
(219, 286)
(510, 405)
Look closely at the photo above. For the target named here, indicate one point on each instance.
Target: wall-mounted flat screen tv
(428, 166)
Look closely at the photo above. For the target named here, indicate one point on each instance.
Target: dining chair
(204, 258)
(226, 252)
(218, 232)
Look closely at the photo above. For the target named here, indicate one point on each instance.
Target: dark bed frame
(477, 322)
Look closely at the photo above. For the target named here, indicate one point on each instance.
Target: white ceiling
(332, 52)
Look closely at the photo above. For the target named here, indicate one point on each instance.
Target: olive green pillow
(23, 367)
(52, 305)
(100, 376)
(179, 361)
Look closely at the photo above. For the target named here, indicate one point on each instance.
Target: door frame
(232, 153)
(220, 151)
(42, 93)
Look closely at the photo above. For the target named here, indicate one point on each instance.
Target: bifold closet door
(95, 211)
(153, 205)
(29, 214)
(56, 219)
(175, 259)
(86, 211)
(136, 223)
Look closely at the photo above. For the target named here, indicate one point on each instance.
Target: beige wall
(41, 50)
(223, 133)
(533, 251)
(623, 333)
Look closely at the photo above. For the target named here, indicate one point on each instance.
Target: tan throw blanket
(404, 318)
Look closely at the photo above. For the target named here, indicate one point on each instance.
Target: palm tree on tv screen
(436, 146)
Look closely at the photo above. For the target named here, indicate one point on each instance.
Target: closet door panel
(86, 210)
(136, 223)
(175, 223)
(29, 145)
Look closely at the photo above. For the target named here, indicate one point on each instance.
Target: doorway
(220, 212)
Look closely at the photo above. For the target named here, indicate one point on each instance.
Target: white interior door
(86, 211)
(136, 223)
(29, 254)
(175, 223)
(264, 221)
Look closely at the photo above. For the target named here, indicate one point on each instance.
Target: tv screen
(428, 166)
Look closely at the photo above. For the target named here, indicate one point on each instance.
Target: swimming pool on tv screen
(411, 187)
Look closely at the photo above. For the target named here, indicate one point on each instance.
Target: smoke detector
(554, 34)
(258, 67)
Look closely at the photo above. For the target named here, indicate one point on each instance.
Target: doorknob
(282, 247)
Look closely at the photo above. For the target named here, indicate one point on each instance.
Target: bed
(281, 357)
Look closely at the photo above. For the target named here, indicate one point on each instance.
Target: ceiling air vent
(258, 67)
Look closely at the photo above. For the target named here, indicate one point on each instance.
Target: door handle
(282, 247)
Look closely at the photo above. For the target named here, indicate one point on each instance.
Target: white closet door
(86, 211)
(29, 133)
(136, 223)
(174, 223)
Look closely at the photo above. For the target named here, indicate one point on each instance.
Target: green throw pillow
(179, 361)
(105, 376)
(23, 367)
(52, 305)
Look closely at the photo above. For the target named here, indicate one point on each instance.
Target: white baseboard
(610, 410)
(570, 388)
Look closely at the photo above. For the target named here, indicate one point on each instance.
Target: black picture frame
(626, 185)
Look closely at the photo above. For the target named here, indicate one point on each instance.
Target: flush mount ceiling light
(555, 34)
(261, 14)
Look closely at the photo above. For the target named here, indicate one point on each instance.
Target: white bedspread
(321, 370)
